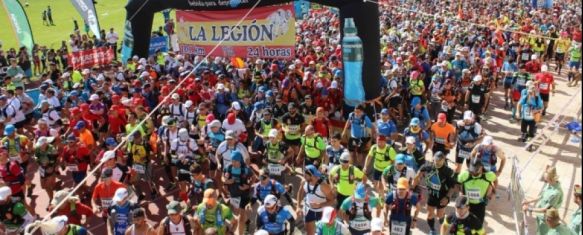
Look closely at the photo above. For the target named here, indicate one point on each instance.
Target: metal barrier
(516, 195)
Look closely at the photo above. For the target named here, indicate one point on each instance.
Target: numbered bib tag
(398, 228)
(487, 166)
(12, 230)
(72, 167)
(474, 194)
(525, 56)
(141, 169)
(275, 169)
(464, 154)
(528, 113)
(435, 186)
(105, 203)
(439, 140)
(543, 86)
(444, 107)
(293, 129)
(235, 202)
(520, 82)
(360, 225)
(475, 99)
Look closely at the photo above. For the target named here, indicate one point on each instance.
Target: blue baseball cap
(110, 141)
(415, 101)
(385, 111)
(360, 192)
(237, 156)
(9, 130)
(79, 125)
(71, 138)
(313, 170)
(400, 159)
(74, 93)
(414, 122)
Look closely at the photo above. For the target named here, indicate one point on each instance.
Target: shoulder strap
(350, 174)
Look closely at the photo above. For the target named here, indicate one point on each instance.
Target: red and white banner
(89, 58)
(268, 32)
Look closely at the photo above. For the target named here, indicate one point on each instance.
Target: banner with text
(89, 58)
(158, 44)
(268, 32)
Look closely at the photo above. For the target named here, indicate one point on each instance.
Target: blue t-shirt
(358, 126)
(400, 211)
(509, 67)
(386, 128)
(275, 225)
(527, 105)
(422, 114)
(419, 137)
(272, 186)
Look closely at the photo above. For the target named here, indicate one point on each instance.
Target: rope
(460, 21)
(98, 166)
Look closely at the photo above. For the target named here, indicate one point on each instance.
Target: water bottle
(352, 59)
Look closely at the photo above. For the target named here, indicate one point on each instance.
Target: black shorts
(104, 128)
(376, 175)
(395, 101)
(313, 161)
(479, 210)
(441, 148)
(560, 56)
(358, 144)
(295, 142)
(184, 177)
(458, 159)
(213, 166)
(340, 199)
(435, 202)
(20, 124)
(312, 216)
(28, 118)
(544, 97)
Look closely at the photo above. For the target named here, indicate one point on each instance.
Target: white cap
(5, 193)
(175, 96)
(86, 71)
(270, 200)
(183, 133)
(534, 57)
(140, 67)
(345, 156)
(220, 86)
(261, 232)
(327, 214)
(215, 123)
(44, 140)
(135, 57)
(410, 140)
(93, 97)
(144, 74)
(334, 85)
(530, 83)
(126, 101)
(235, 105)
(273, 133)
(487, 140)
(477, 78)
(120, 194)
(468, 115)
(65, 75)
(108, 155)
(544, 68)
(188, 103)
(292, 67)
(54, 225)
(376, 225)
(142, 60)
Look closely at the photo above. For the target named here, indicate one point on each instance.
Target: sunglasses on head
(344, 162)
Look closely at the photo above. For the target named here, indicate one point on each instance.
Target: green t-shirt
(313, 146)
(76, 77)
(18, 210)
(343, 186)
(551, 196)
(130, 128)
(575, 224)
(475, 188)
(210, 216)
(359, 220)
(382, 157)
(560, 230)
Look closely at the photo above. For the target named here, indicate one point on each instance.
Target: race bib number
(275, 169)
(293, 129)
(474, 194)
(235, 202)
(141, 169)
(544, 86)
(439, 140)
(521, 82)
(525, 56)
(464, 154)
(72, 167)
(444, 107)
(105, 203)
(435, 187)
(12, 230)
(475, 99)
(360, 225)
(398, 228)
(528, 113)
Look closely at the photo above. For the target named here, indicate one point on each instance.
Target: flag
(86, 9)
(20, 24)
(238, 62)
(460, 11)
(127, 44)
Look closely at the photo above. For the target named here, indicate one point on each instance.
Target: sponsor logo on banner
(268, 32)
(158, 43)
(89, 58)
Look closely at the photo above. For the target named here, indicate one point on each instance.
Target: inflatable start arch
(365, 15)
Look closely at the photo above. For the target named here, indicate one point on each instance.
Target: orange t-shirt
(442, 133)
(86, 137)
(105, 193)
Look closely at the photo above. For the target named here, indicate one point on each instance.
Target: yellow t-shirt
(343, 186)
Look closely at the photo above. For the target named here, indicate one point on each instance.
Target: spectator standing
(111, 39)
(50, 16)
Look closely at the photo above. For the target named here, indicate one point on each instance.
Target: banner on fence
(268, 32)
(517, 197)
(158, 43)
(89, 58)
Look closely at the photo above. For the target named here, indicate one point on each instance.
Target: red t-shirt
(321, 126)
(76, 156)
(544, 82)
(533, 66)
(115, 124)
(104, 193)
(11, 172)
(80, 209)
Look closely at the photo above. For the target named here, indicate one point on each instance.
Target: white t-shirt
(238, 127)
(187, 147)
(225, 153)
(111, 37)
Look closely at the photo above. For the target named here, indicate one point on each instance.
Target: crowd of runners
(275, 135)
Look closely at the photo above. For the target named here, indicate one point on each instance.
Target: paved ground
(559, 151)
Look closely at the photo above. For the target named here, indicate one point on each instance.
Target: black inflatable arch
(365, 14)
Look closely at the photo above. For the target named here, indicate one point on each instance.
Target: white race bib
(275, 169)
(475, 99)
(360, 225)
(235, 202)
(474, 194)
(293, 129)
(521, 82)
(72, 167)
(105, 203)
(543, 86)
(525, 56)
(464, 154)
(398, 228)
(439, 140)
(141, 169)
(435, 187)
